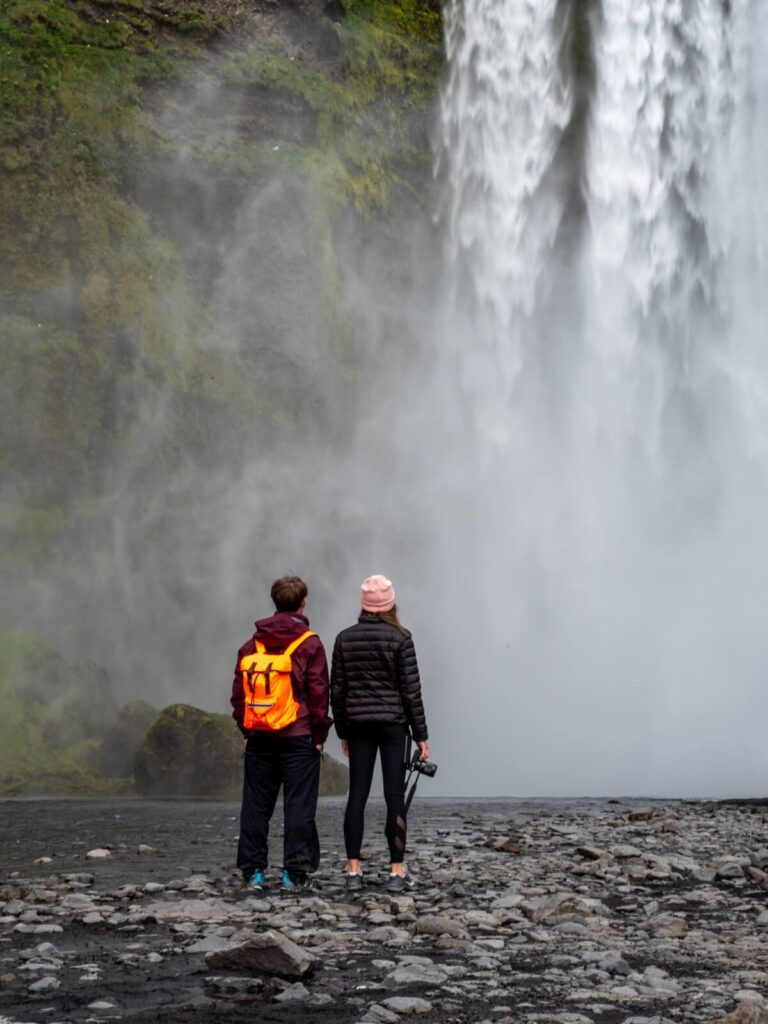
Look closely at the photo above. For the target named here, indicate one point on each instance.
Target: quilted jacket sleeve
(410, 689)
(339, 690)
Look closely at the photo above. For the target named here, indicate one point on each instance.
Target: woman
(376, 699)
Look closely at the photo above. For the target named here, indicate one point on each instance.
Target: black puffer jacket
(375, 677)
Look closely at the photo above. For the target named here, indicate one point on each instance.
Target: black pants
(364, 741)
(294, 763)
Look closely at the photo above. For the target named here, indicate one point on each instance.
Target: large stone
(422, 975)
(190, 752)
(436, 925)
(267, 953)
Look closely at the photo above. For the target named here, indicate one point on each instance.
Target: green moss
(101, 316)
(28, 534)
(187, 751)
(45, 707)
(266, 66)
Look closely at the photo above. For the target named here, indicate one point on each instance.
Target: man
(277, 753)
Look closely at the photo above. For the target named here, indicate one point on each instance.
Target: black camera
(427, 768)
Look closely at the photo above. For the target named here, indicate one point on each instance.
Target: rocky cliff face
(189, 193)
(136, 137)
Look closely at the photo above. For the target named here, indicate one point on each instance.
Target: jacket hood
(280, 629)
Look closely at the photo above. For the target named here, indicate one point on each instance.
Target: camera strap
(409, 764)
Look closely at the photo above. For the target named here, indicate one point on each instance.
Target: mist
(540, 410)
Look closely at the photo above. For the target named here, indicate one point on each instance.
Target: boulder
(268, 953)
(190, 752)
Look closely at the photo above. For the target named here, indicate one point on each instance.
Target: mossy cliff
(135, 135)
(54, 717)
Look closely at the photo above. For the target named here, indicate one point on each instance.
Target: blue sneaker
(299, 883)
(256, 881)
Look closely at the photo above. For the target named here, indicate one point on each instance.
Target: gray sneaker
(400, 883)
(354, 882)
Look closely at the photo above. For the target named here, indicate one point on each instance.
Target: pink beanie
(377, 594)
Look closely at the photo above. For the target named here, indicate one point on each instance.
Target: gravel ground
(540, 911)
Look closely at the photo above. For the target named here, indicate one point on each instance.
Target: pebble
(48, 983)
(296, 993)
(98, 854)
(407, 1005)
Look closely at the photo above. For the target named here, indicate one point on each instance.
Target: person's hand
(319, 747)
(424, 748)
(345, 748)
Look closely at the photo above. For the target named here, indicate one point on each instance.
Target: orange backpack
(269, 701)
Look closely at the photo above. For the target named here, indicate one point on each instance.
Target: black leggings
(364, 741)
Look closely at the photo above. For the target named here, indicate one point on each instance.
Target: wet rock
(378, 1014)
(233, 986)
(296, 993)
(731, 869)
(434, 925)
(641, 814)
(268, 953)
(505, 846)
(48, 983)
(77, 901)
(592, 853)
(407, 1005)
(421, 974)
(388, 935)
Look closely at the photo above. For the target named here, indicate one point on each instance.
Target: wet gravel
(568, 911)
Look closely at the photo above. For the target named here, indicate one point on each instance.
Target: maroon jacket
(309, 670)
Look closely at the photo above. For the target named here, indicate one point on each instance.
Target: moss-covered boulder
(123, 738)
(189, 752)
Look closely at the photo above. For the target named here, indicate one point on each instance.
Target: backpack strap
(298, 642)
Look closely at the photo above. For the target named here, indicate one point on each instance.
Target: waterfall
(605, 231)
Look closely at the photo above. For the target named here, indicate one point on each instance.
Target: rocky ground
(524, 911)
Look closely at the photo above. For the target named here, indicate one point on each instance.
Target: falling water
(605, 232)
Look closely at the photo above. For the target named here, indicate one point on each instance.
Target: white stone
(407, 1004)
(46, 984)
